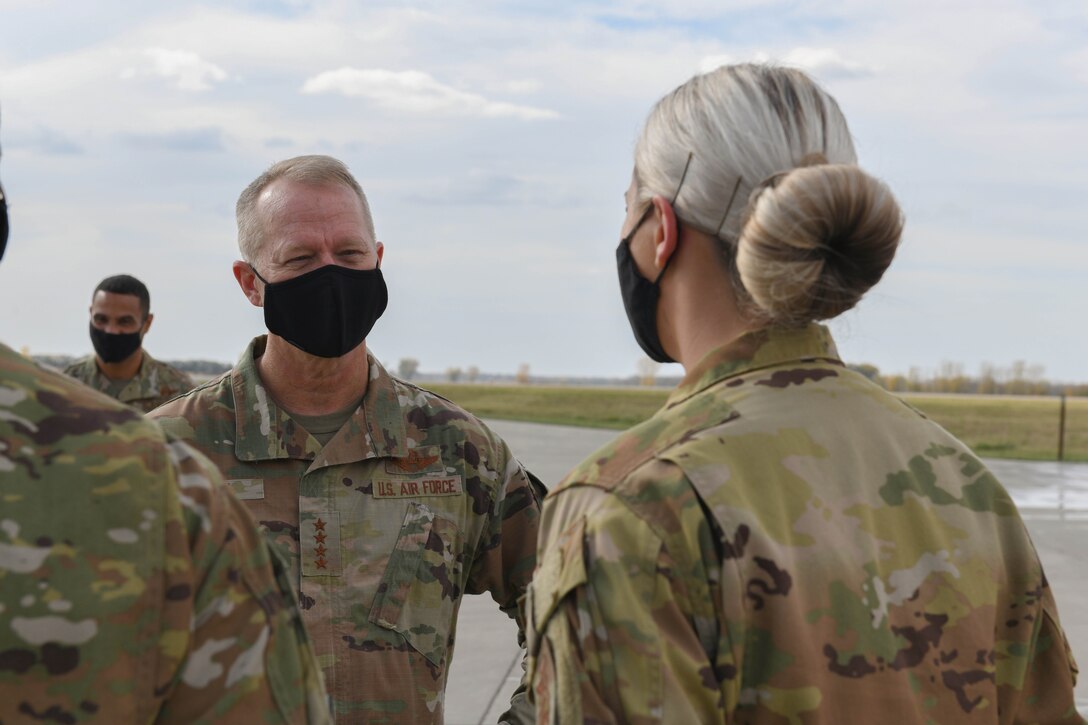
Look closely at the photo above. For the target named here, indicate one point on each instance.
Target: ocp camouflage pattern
(412, 504)
(786, 542)
(154, 384)
(134, 587)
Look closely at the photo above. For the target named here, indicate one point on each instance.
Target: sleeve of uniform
(1051, 673)
(611, 636)
(506, 556)
(232, 647)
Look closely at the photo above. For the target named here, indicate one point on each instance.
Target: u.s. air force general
(391, 502)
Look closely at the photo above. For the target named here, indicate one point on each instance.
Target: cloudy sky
(494, 140)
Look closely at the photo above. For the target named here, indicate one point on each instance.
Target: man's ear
(252, 287)
(666, 233)
(381, 251)
(147, 322)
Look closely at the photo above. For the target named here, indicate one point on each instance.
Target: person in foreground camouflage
(390, 501)
(783, 542)
(120, 367)
(134, 587)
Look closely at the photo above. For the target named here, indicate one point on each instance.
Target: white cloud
(520, 86)
(1077, 63)
(712, 62)
(952, 103)
(187, 69)
(825, 63)
(417, 92)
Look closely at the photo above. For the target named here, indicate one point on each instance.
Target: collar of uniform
(755, 350)
(376, 430)
(144, 384)
(264, 431)
(87, 371)
(136, 388)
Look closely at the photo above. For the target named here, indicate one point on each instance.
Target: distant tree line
(1020, 378)
(200, 367)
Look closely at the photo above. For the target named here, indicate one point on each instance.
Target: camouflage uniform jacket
(134, 587)
(412, 504)
(785, 542)
(154, 384)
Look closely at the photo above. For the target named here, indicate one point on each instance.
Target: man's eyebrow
(291, 249)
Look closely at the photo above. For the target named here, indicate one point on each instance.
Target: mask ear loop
(254, 270)
(675, 196)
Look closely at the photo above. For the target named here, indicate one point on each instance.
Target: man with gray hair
(390, 501)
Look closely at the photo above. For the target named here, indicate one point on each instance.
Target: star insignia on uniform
(319, 537)
(319, 525)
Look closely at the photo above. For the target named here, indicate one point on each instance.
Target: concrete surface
(1053, 500)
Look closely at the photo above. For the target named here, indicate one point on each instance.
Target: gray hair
(314, 170)
(772, 172)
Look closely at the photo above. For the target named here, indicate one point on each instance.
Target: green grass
(1010, 427)
(616, 408)
(994, 426)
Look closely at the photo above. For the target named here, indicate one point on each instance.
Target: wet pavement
(1052, 497)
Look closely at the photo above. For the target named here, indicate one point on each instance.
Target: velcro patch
(319, 539)
(247, 489)
(416, 487)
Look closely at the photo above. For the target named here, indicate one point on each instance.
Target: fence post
(1061, 431)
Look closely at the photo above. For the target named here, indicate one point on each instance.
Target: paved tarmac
(1053, 500)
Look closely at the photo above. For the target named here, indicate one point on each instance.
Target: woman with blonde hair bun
(784, 541)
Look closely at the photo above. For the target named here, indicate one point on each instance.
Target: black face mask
(114, 347)
(3, 222)
(327, 312)
(640, 297)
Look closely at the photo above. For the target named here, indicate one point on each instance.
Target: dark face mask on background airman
(113, 347)
(327, 312)
(3, 222)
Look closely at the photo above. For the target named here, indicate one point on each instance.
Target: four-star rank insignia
(319, 538)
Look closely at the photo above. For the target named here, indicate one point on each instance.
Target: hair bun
(816, 240)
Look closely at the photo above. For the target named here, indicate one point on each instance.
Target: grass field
(994, 426)
(1011, 427)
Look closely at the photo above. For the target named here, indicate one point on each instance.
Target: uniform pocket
(419, 591)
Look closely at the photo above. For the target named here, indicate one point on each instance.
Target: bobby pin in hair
(732, 197)
(682, 177)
